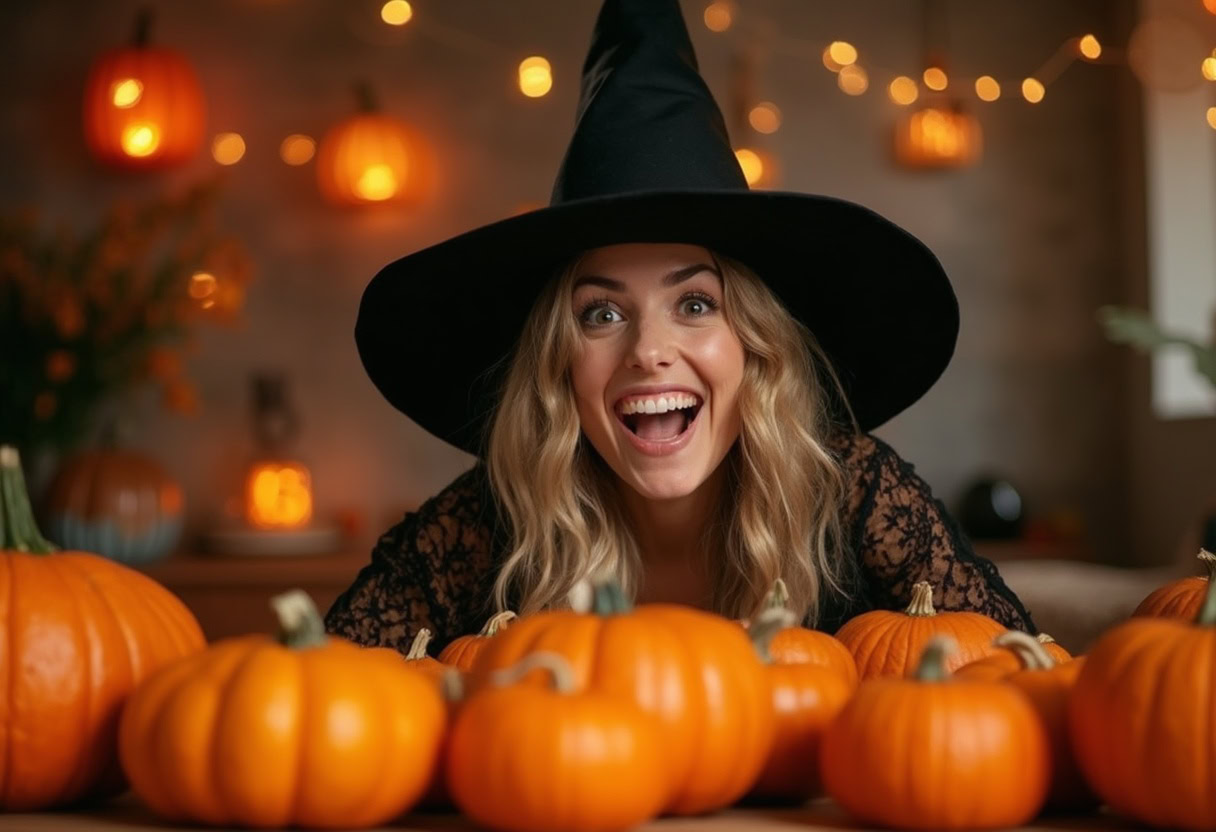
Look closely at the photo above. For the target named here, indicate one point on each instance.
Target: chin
(668, 485)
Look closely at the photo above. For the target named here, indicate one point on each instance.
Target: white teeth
(661, 404)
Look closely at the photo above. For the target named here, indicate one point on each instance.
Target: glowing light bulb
(935, 78)
(126, 93)
(396, 12)
(376, 183)
(751, 163)
(718, 16)
(1212, 114)
(853, 80)
(987, 88)
(1033, 90)
(1089, 47)
(903, 90)
(202, 285)
(535, 77)
(297, 149)
(842, 52)
(140, 139)
(1209, 68)
(765, 117)
(228, 148)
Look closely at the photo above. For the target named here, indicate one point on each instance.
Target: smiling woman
(672, 384)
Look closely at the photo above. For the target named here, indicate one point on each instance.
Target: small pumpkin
(800, 645)
(695, 670)
(935, 752)
(806, 697)
(302, 730)
(1141, 717)
(1053, 648)
(1004, 661)
(556, 758)
(888, 643)
(418, 659)
(1047, 684)
(461, 652)
(1181, 598)
(78, 633)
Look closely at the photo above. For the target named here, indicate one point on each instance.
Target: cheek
(721, 354)
(590, 373)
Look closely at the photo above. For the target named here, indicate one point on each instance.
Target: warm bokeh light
(202, 285)
(936, 138)
(140, 138)
(987, 88)
(903, 90)
(297, 149)
(765, 117)
(396, 12)
(228, 148)
(535, 77)
(751, 163)
(1212, 117)
(842, 53)
(853, 80)
(1210, 5)
(935, 78)
(278, 495)
(718, 16)
(126, 93)
(1033, 90)
(377, 183)
(1089, 47)
(1209, 68)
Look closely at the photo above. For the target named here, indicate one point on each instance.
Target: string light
(765, 117)
(297, 149)
(228, 148)
(842, 54)
(751, 163)
(1209, 68)
(718, 16)
(903, 90)
(396, 12)
(202, 285)
(935, 78)
(987, 88)
(140, 138)
(1089, 47)
(535, 77)
(126, 93)
(1212, 114)
(853, 80)
(1033, 90)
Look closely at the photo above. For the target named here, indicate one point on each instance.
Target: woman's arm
(903, 535)
(433, 570)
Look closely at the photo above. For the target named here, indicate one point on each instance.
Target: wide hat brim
(436, 328)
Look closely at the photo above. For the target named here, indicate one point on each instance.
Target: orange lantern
(278, 495)
(143, 106)
(371, 157)
(937, 137)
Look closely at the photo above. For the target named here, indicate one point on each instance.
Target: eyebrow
(670, 279)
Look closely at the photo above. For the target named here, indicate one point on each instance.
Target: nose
(653, 346)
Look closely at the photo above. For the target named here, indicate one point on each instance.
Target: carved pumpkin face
(278, 495)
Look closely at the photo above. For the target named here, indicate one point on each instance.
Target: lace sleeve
(903, 535)
(433, 570)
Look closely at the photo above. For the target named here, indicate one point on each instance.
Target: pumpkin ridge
(10, 633)
(1144, 730)
(223, 712)
(153, 605)
(122, 623)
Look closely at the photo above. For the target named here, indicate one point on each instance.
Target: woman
(667, 378)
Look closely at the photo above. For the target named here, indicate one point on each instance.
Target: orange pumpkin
(1142, 718)
(78, 633)
(935, 752)
(696, 671)
(1053, 648)
(806, 697)
(887, 643)
(420, 661)
(298, 731)
(461, 652)
(799, 645)
(554, 759)
(1181, 598)
(1048, 685)
(143, 106)
(1002, 662)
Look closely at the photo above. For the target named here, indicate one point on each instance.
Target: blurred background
(195, 194)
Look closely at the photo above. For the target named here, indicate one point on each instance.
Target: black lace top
(436, 568)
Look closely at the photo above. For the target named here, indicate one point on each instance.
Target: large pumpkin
(143, 106)
(798, 645)
(78, 633)
(1143, 719)
(531, 759)
(934, 752)
(305, 730)
(889, 643)
(696, 671)
(116, 502)
(1181, 598)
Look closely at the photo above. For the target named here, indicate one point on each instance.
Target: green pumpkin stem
(921, 605)
(300, 625)
(418, 646)
(765, 626)
(559, 669)
(1028, 649)
(608, 598)
(1207, 610)
(778, 597)
(932, 666)
(1208, 560)
(17, 528)
(496, 623)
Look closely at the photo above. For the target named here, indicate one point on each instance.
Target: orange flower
(60, 365)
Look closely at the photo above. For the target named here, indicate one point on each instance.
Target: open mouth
(661, 427)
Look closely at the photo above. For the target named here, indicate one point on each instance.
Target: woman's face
(654, 337)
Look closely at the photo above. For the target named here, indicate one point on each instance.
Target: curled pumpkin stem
(922, 600)
(932, 666)
(418, 646)
(497, 622)
(778, 597)
(765, 626)
(559, 669)
(1027, 648)
(1208, 560)
(300, 625)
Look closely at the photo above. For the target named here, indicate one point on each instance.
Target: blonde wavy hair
(780, 513)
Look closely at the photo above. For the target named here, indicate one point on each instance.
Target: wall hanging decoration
(143, 105)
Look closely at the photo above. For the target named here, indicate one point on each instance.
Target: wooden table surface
(125, 814)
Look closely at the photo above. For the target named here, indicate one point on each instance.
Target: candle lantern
(937, 137)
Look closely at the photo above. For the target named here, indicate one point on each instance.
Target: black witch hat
(650, 161)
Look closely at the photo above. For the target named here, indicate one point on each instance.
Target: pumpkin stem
(365, 97)
(143, 28)
(778, 597)
(418, 646)
(560, 670)
(1207, 610)
(932, 666)
(496, 623)
(765, 626)
(1208, 560)
(17, 528)
(1027, 648)
(300, 625)
(922, 600)
(451, 685)
(608, 598)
